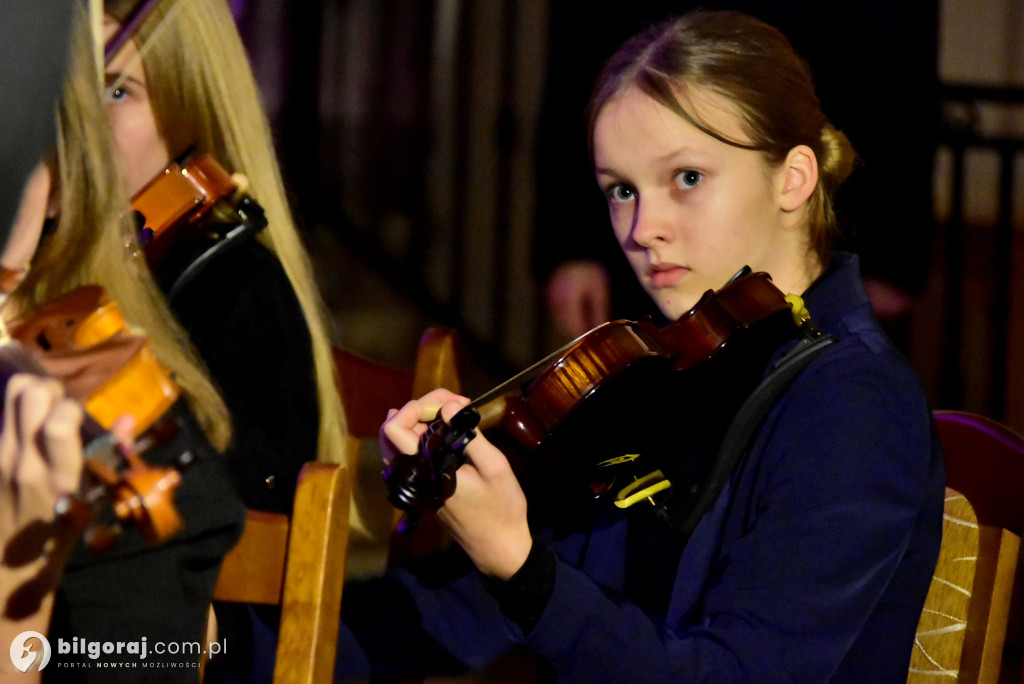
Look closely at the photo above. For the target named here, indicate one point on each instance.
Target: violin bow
(129, 28)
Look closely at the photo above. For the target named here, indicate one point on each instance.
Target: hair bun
(837, 155)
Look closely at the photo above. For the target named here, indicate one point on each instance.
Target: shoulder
(856, 417)
(247, 277)
(862, 383)
(244, 294)
(246, 266)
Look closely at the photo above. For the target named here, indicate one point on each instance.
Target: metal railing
(965, 138)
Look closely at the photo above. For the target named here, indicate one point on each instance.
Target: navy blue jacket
(812, 565)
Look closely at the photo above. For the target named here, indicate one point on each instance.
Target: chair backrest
(368, 390)
(298, 564)
(963, 628)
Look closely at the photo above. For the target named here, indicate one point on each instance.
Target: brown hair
(752, 65)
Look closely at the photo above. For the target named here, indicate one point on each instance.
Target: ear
(798, 177)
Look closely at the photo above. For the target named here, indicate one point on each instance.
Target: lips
(666, 275)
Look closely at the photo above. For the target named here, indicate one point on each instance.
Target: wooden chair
(963, 628)
(368, 390)
(298, 564)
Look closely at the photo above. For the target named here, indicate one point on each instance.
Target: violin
(188, 214)
(81, 339)
(630, 366)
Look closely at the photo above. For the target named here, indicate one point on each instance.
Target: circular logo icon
(25, 652)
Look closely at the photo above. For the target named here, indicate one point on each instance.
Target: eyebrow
(661, 159)
(112, 78)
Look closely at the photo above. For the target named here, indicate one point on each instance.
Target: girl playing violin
(253, 317)
(135, 589)
(813, 562)
(184, 85)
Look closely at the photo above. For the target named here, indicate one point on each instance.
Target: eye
(117, 94)
(620, 192)
(688, 178)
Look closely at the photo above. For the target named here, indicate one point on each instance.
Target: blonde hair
(92, 227)
(204, 96)
(752, 65)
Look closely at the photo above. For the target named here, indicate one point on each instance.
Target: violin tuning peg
(101, 538)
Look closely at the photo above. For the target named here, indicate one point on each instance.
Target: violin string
(522, 375)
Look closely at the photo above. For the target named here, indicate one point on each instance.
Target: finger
(424, 409)
(9, 440)
(123, 430)
(33, 399)
(440, 396)
(403, 428)
(63, 445)
(453, 406)
(486, 459)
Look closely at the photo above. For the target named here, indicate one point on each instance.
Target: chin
(670, 305)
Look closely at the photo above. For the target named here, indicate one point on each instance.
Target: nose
(651, 223)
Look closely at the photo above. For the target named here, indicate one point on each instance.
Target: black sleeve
(383, 618)
(524, 596)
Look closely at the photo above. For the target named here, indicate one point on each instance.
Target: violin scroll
(190, 214)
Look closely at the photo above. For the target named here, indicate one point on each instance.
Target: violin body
(81, 339)
(625, 389)
(617, 349)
